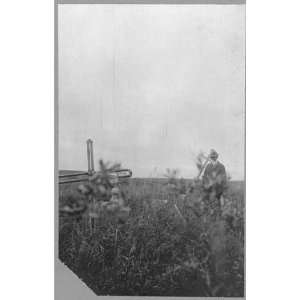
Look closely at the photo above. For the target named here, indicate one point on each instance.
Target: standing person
(214, 180)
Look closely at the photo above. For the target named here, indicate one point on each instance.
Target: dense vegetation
(167, 244)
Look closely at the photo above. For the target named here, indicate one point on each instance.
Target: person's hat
(213, 154)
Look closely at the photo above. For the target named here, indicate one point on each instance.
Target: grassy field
(168, 246)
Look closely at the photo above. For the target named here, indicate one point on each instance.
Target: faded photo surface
(151, 139)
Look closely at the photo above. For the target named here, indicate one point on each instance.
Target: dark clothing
(214, 184)
(215, 176)
(214, 170)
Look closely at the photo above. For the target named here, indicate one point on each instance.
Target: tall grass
(170, 245)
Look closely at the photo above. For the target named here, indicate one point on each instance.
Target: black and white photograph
(151, 148)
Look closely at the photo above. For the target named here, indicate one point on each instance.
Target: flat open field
(152, 187)
(158, 251)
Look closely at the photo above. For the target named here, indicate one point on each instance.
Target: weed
(169, 242)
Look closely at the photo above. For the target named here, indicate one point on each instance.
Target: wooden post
(90, 156)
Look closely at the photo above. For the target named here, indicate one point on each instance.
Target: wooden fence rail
(85, 176)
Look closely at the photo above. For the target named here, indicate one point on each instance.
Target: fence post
(90, 156)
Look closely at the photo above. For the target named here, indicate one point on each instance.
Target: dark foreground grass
(162, 249)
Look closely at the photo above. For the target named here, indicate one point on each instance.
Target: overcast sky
(152, 85)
